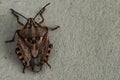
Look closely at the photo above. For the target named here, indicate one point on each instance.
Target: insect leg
(24, 69)
(13, 12)
(52, 29)
(47, 55)
(48, 65)
(25, 66)
(12, 40)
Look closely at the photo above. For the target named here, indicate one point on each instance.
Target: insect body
(33, 46)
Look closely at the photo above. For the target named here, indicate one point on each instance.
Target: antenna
(43, 9)
(13, 11)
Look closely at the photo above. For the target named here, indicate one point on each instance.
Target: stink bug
(33, 46)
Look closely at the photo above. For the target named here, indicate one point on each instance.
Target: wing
(46, 49)
(34, 54)
(23, 52)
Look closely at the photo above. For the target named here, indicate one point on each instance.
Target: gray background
(86, 47)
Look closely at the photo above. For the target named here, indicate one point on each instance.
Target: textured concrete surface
(86, 47)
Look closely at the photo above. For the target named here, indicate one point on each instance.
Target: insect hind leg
(23, 69)
(47, 55)
(48, 65)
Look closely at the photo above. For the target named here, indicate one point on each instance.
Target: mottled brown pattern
(33, 46)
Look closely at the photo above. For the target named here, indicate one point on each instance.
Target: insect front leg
(52, 29)
(12, 40)
(13, 12)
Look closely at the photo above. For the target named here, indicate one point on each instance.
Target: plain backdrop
(86, 46)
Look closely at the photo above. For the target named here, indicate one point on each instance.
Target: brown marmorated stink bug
(33, 46)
